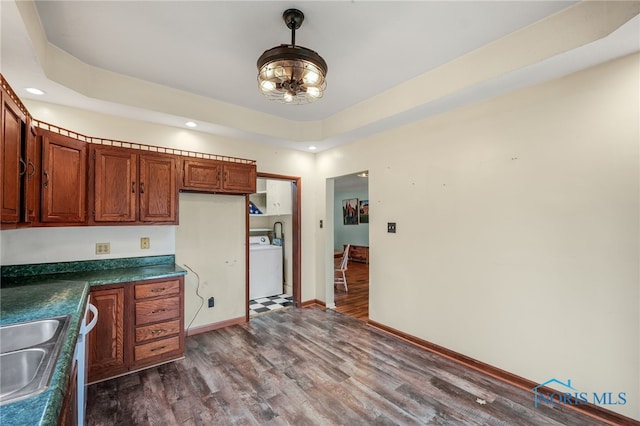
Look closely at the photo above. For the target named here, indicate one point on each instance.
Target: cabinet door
(239, 178)
(106, 340)
(13, 133)
(203, 175)
(158, 188)
(69, 410)
(30, 190)
(279, 196)
(115, 187)
(64, 179)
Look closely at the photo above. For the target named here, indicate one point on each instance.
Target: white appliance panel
(265, 271)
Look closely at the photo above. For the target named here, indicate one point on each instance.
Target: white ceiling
(209, 49)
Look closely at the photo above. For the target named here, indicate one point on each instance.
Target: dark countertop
(32, 292)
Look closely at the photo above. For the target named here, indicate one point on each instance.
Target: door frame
(296, 244)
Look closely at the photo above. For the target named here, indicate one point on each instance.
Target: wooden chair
(340, 269)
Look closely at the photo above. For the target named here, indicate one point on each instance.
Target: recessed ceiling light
(35, 91)
(363, 174)
(190, 124)
(312, 148)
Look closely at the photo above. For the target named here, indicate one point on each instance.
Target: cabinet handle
(159, 348)
(46, 177)
(33, 169)
(23, 167)
(142, 187)
(157, 290)
(157, 311)
(133, 187)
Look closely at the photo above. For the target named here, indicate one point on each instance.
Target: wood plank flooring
(355, 302)
(313, 367)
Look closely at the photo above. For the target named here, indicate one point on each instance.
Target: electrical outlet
(211, 302)
(391, 227)
(144, 243)
(103, 248)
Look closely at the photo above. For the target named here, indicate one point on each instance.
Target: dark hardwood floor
(355, 302)
(313, 367)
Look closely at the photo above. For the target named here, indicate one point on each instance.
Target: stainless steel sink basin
(24, 366)
(27, 334)
(28, 354)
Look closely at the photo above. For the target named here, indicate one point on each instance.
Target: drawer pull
(158, 349)
(157, 311)
(159, 331)
(158, 290)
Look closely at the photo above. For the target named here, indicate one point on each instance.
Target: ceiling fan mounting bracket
(293, 18)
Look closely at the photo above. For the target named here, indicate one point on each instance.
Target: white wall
(211, 240)
(518, 228)
(65, 244)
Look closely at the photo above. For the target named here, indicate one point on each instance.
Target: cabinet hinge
(94, 155)
(93, 213)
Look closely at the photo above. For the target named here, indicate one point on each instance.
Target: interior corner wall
(518, 229)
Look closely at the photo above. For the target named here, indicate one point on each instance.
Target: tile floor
(271, 303)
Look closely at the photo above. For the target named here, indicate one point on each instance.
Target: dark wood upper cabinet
(158, 188)
(12, 167)
(31, 189)
(115, 185)
(64, 179)
(218, 176)
(132, 186)
(17, 163)
(203, 175)
(240, 178)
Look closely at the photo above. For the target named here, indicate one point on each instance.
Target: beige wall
(517, 238)
(210, 241)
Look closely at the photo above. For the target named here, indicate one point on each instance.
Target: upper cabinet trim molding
(139, 146)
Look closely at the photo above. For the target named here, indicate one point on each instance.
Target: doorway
(274, 211)
(351, 227)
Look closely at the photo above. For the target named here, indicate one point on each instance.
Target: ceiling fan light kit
(292, 74)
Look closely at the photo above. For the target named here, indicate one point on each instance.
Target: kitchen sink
(27, 334)
(28, 354)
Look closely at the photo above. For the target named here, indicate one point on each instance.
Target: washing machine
(265, 268)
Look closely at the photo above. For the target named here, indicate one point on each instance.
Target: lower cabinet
(158, 332)
(140, 324)
(106, 341)
(69, 411)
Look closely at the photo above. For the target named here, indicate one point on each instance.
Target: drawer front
(157, 310)
(164, 288)
(156, 331)
(149, 350)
